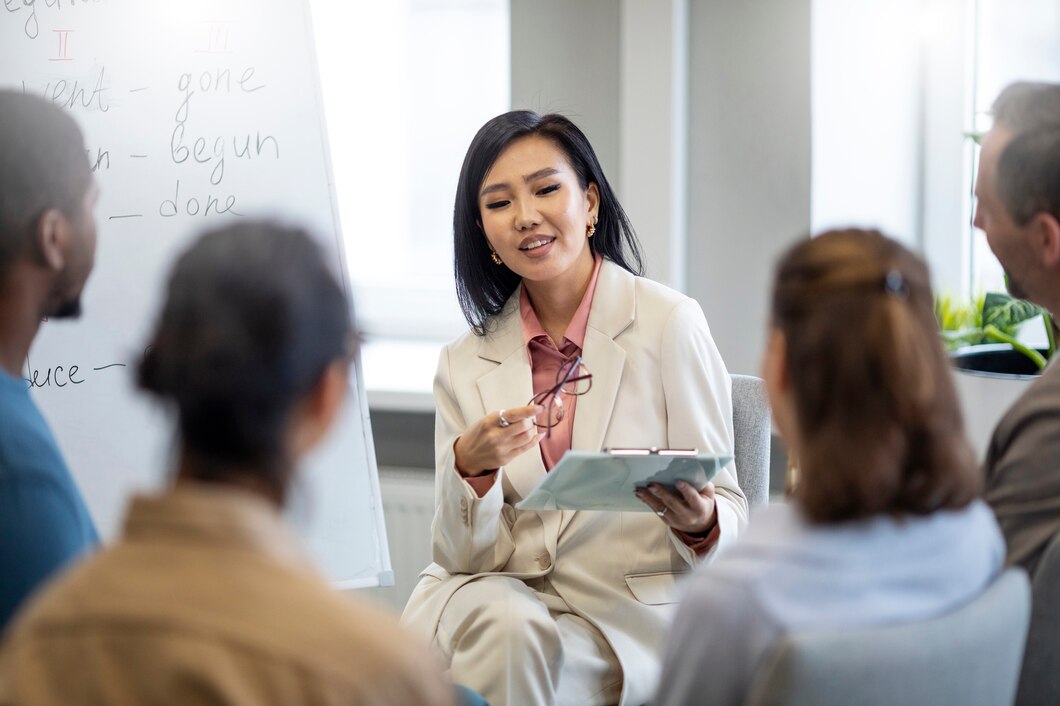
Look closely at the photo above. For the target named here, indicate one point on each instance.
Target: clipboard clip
(652, 451)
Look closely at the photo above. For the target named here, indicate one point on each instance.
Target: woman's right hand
(486, 445)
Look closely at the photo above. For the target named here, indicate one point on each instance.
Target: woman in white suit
(562, 607)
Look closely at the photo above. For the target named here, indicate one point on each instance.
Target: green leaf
(954, 315)
(1006, 313)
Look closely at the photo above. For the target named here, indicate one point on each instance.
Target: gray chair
(1040, 678)
(752, 432)
(970, 657)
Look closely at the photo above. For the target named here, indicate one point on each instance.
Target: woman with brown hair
(884, 525)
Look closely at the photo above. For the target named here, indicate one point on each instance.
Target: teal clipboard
(607, 481)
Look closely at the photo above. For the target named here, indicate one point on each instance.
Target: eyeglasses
(573, 379)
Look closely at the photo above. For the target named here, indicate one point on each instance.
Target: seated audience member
(47, 247)
(207, 598)
(884, 526)
(1018, 192)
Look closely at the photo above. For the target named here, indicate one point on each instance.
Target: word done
(193, 206)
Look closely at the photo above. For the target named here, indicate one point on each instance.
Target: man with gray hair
(1018, 193)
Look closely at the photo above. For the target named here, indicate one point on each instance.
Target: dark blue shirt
(43, 520)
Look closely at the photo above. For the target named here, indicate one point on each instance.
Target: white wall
(653, 76)
(749, 154)
(867, 105)
(565, 58)
(891, 100)
(946, 31)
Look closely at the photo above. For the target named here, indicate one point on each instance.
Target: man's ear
(1047, 234)
(52, 235)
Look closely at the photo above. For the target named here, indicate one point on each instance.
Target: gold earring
(495, 257)
(591, 229)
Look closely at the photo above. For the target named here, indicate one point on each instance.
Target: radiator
(408, 508)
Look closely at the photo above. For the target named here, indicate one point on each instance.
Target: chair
(1040, 678)
(752, 435)
(969, 657)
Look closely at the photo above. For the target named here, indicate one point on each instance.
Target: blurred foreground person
(47, 250)
(207, 598)
(884, 526)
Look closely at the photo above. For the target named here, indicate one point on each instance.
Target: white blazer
(658, 380)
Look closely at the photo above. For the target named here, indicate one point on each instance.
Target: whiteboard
(196, 114)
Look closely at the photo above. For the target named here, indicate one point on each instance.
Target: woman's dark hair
(483, 287)
(879, 427)
(253, 317)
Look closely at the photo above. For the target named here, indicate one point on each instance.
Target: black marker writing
(58, 376)
(31, 27)
(213, 149)
(68, 94)
(241, 149)
(102, 159)
(194, 207)
(217, 81)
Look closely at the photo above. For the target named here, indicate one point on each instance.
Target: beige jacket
(207, 599)
(658, 380)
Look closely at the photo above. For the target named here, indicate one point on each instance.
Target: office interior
(729, 130)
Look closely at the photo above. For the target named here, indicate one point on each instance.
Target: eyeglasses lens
(575, 378)
(551, 412)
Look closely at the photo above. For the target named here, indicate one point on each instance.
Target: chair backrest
(970, 657)
(1040, 678)
(752, 432)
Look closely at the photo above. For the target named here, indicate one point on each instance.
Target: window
(406, 83)
(895, 85)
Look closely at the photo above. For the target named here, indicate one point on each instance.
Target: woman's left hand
(682, 508)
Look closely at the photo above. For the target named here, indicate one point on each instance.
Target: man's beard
(1013, 286)
(69, 309)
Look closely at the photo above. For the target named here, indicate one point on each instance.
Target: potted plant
(983, 335)
(993, 364)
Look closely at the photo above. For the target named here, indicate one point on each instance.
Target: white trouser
(521, 647)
